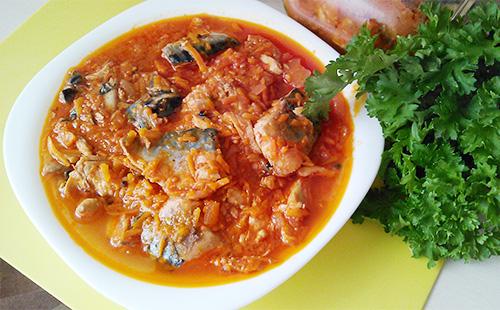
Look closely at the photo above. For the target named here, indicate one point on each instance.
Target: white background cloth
(459, 286)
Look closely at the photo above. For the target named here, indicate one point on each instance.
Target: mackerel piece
(176, 148)
(190, 156)
(211, 44)
(176, 54)
(206, 44)
(163, 103)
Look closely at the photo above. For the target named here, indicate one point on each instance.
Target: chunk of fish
(184, 163)
(153, 237)
(272, 65)
(197, 243)
(88, 208)
(140, 115)
(161, 101)
(206, 44)
(295, 207)
(68, 94)
(245, 130)
(63, 156)
(198, 100)
(176, 54)
(177, 253)
(70, 90)
(214, 42)
(179, 213)
(83, 147)
(101, 73)
(89, 174)
(52, 166)
(287, 216)
(164, 102)
(171, 255)
(173, 237)
(176, 143)
(110, 99)
(284, 137)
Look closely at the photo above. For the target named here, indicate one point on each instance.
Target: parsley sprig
(437, 96)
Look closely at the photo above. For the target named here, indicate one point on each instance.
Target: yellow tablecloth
(361, 268)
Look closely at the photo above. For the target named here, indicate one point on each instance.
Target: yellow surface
(361, 268)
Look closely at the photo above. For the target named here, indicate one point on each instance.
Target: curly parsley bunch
(437, 96)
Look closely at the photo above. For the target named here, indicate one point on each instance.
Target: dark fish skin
(293, 98)
(168, 254)
(75, 79)
(291, 101)
(105, 88)
(176, 54)
(136, 116)
(163, 103)
(171, 256)
(207, 44)
(70, 91)
(214, 42)
(68, 94)
(154, 248)
(206, 140)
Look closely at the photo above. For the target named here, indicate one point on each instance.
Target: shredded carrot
(163, 242)
(56, 154)
(188, 138)
(211, 212)
(161, 66)
(130, 178)
(131, 135)
(105, 171)
(196, 215)
(190, 163)
(119, 231)
(132, 232)
(222, 182)
(78, 105)
(180, 82)
(142, 132)
(222, 163)
(197, 57)
(140, 220)
(212, 186)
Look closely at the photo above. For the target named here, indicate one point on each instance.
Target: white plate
(21, 145)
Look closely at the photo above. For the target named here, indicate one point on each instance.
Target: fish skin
(170, 143)
(207, 45)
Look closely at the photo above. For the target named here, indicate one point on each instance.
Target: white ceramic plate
(21, 146)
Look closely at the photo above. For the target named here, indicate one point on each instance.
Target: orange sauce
(141, 47)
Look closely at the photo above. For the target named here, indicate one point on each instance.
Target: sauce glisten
(177, 154)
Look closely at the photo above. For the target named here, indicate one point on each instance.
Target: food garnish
(436, 94)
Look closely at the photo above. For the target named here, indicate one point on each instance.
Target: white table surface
(459, 286)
